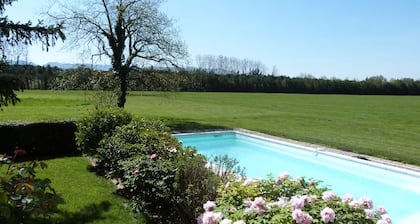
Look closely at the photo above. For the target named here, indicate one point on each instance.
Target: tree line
(199, 80)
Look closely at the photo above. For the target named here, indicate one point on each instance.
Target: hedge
(39, 139)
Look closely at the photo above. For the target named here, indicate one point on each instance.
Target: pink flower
(386, 218)
(369, 213)
(311, 199)
(248, 202)
(367, 202)
(153, 156)
(301, 217)
(136, 172)
(281, 202)
(298, 180)
(328, 196)
(354, 204)
(200, 219)
(226, 221)
(284, 175)
(381, 210)
(279, 181)
(297, 202)
(327, 215)
(209, 206)
(239, 222)
(347, 198)
(258, 205)
(259, 202)
(210, 218)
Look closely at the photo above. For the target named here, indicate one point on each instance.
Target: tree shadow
(89, 213)
(186, 125)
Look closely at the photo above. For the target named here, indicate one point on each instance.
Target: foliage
(224, 166)
(16, 33)
(139, 137)
(7, 87)
(23, 197)
(95, 125)
(157, 174)
(287, 200)
(199, 80)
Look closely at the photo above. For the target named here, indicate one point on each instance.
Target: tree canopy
(15, 33)
(131, 33)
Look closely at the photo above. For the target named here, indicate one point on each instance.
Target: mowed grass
(382, 126)
(88, 198)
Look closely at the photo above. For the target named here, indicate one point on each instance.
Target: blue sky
(334, 38)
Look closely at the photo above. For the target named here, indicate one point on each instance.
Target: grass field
(382, 126)
(88, 198)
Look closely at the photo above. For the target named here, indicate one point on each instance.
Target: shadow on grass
(88, 213)
(186, 125)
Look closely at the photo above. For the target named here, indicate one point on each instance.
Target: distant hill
(70, 66)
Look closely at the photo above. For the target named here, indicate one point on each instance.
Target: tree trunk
(122, 75)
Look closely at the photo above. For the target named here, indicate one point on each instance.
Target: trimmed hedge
(39, 139)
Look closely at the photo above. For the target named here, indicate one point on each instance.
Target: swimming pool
(396, 189)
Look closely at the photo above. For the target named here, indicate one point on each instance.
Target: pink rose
(367, 202)
(347, 198)
(381, 210)
(328, 196)
(297, 202)
(209, 206)
(369, 213)
(301, 217)
(136, 172)
(284, 175)
(327, 215)
(153, 156)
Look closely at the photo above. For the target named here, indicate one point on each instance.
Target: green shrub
(94, 126)
(159, 176)
(139, 137)
(23, 197)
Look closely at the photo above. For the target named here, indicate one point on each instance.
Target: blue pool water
(396, 189)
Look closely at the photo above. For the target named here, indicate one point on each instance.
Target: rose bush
(287, 200)
(158, 175)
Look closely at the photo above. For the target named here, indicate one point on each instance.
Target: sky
(346, 39)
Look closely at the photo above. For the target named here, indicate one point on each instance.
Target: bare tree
(131, 33)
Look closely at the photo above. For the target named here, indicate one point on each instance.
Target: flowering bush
(287, 200)
(158, 175)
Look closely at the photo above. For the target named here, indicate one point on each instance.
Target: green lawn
(88, 198)
(382, 126)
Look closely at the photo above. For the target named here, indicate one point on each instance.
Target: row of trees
(38, 77)
(228, 65)
(199, 80)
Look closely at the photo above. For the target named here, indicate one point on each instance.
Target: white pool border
(398, 167)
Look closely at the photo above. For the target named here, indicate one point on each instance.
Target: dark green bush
(94, 126)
